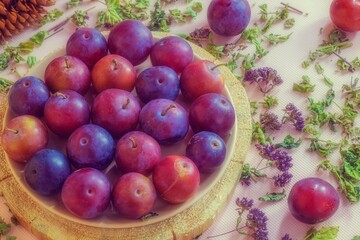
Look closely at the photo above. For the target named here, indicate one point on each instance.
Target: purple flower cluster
(293, 115)
(269, 121)
(244, 203)
(266, 78)
(256, 220)
(282, 179)
(280, 159)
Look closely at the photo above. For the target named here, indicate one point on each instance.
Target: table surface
(286, 58)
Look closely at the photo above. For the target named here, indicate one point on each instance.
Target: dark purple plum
(86, 193)
(116, 110)
(47, 171)
(28, 96)
(173, 52)
(132, 40)
(137, 152)
(65, 111)
(133, 195)
(87, 44)
(157, 82)
(313, 200)
(164, 120)
(207, 150)
(228, 17)
(90, 146)
(212, 112)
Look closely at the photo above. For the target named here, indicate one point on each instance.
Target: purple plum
(28, 95)
(164, 120)
(133, 195)
(90, 146)
(137, 152)
(207, 150)
(212, 112)
(86, 193)
(47, 171)
(116, 110)
(87, 44)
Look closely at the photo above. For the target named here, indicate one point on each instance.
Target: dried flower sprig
(294, 115)
(274, 158)
(266, 78)
(255, 225)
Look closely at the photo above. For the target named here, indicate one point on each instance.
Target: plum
(313, 200)
(28, 95)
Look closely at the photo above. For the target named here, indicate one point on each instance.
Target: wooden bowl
(47, 218)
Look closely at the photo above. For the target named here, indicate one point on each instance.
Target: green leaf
(319, 69)
(352, 170)
(31, 61)
(324, 233)
(39, 37)
(328, 81)
(11, 238)
(197, 6)
(73, 3)
(250, 34)
(289, 23)
(4, 227)
(5, 84)
(273, 197)
(323, 148)
(269, 102)
(51, 16)
(356, 238)
(289, 142)
(305, 86)
(277, 38)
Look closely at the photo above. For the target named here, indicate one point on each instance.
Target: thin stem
(234, 230)
(57, 31)
(292, 8)
(351, 68)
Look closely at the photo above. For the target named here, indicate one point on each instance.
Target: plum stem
(218, 65)
(60, 94)
(12, 130)
(67, 64)
(115, 64)
(133, 142)
(126, 104)
(163, 113)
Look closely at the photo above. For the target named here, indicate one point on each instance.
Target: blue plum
(207, 150)
(86, 193)
(28, 95)
(90, 146)
(157, 82)
(87, 44)
(228, 17)
(212, 112)
(164, 120)
(132, 40)
(47, 171)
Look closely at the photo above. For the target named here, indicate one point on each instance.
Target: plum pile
(108, 112)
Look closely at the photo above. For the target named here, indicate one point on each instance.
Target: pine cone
(16, 15)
